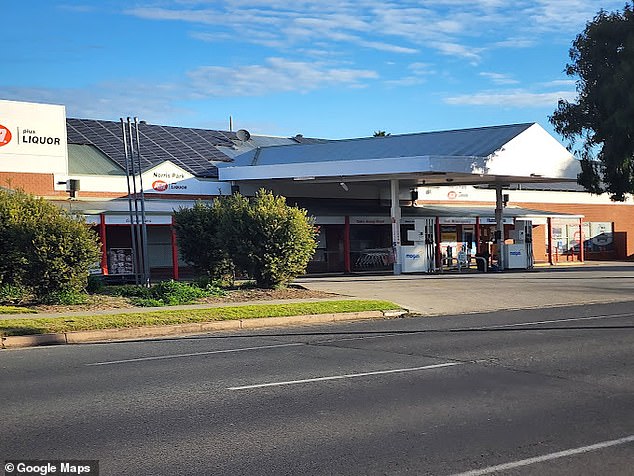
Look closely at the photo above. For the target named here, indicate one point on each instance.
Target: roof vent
(243, 135)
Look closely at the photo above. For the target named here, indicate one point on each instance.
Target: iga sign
(169, 179)
(160, 186)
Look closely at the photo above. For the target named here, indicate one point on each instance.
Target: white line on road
(176, 356)
(548, 457)
(609, 316)
(339, 377)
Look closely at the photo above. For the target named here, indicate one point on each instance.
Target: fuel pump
(519, 255)
(420, 257)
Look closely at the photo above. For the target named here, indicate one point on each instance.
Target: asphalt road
(542, 391)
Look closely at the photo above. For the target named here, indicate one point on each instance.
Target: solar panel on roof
(191, 149)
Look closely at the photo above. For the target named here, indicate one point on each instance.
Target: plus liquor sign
(33, 138)
(5, 135)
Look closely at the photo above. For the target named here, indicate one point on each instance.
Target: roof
(198, 151)
(477, 142)
(194, 150)
(88, 160)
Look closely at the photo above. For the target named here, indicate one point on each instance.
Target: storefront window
(597, 237)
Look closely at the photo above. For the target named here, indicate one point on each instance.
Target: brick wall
(37, 184)
(622, 217)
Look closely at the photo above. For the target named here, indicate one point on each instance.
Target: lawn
(46, 325)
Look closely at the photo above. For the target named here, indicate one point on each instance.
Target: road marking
(339, 377)
(608, 316)
(548, 457)
(193, 354)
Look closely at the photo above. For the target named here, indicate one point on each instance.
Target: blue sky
(332, 69)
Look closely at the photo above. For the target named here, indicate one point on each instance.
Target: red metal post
(581, 250)
(346, 245)
(102, 238)
(549, 225)
(174, 251)
(438, 237)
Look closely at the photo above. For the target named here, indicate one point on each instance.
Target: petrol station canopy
(517, 153)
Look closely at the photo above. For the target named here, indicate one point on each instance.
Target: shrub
(14, 294)
(269, 240)
(201, 242)
(262, 238)
(129, 291)
(95, 284)
(175, 292)
(165, 293)
(43, 247)
(65, 297)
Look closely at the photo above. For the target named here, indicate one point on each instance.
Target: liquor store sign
(32, 138)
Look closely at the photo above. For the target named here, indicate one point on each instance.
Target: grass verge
(49, 325)
(16, 310)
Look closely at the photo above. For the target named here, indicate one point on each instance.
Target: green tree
(381, 134)
(268, 240)
(602, 118)
(201, 240)
(43, 248)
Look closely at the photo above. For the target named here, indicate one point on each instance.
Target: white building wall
(468, 193)
(533, 152)
(33, 138)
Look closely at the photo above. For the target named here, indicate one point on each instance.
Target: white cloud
(454, 49)
(147, 101)
(499, 78)
(399, 27)
(511, 98)
(276, 75)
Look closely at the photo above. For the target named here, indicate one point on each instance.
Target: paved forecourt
(480, 292)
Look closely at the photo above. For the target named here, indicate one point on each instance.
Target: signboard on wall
(33, 138)
(149, 219)
(169, 179)
(120, 261)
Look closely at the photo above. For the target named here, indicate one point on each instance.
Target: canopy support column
(395, 215)
(499, 228)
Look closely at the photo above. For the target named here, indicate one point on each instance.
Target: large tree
(602, 117)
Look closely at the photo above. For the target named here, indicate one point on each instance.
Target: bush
(269, 240)
(165, 293)
(262, 238)
(43, 248)
(173, 293)
(129, 291)
(14, 294)
(201, 241)
(65, 297)
(95, 284)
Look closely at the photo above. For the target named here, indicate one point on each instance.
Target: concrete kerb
(84, 337)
